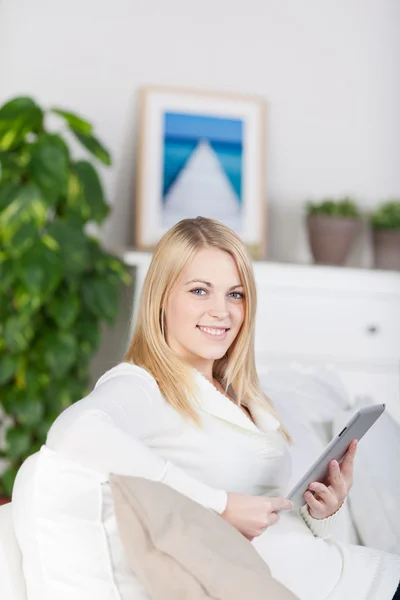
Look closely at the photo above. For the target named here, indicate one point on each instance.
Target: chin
(211, 354)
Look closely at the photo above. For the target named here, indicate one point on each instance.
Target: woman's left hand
(329, 496)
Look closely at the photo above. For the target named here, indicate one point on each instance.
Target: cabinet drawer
(327, 325)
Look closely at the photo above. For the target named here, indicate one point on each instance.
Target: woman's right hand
(251, 515)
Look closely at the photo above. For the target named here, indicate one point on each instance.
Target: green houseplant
(57, 284)
(332, 226)
(385, 223)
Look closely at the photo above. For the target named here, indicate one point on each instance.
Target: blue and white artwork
(202, 168)
(200, 154)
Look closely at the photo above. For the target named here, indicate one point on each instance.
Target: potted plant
(57, 284)
(385, 222)
(332, 227)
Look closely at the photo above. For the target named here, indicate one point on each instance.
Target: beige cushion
(183, 551)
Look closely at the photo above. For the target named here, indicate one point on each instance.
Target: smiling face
(205, 309)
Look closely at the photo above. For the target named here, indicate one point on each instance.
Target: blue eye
(239, 295)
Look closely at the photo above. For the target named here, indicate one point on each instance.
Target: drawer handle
(372, 329)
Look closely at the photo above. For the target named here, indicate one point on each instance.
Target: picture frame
(201, 153)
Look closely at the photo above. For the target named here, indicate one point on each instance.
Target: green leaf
(37, 378)
(94, 146)
(22, 241)
(100, 298)
(27, 212)
(15, 107)
(8, 191)
(343, 207)
(17, 118)
(76, 208)
(58, 349)
(7, 272)
(109, 266)
(40, 269)
(73, 246)
(43, 428)
(64, 310)
(50, 242)
(11, 164)
(28, 410)
(60, 394)
(25, 301)
(117, 272)
(18, 441)
(49, 165)
(8, 368)
(387, 216)
(92, 190)
(74, 121)
(89, 335)
(5, 309)
(18, 332)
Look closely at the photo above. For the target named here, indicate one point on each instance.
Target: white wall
(329, 71)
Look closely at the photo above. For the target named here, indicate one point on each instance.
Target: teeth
(216, 332)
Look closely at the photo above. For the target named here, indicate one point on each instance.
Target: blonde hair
(149, 349)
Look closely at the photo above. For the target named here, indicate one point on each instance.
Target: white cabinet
(310, 315)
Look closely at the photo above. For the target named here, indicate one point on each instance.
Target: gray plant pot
(331, 238)
(386, 244)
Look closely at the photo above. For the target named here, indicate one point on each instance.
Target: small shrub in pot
(332, 226)
(385, 223)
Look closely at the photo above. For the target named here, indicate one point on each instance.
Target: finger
(272, 519)
(337, 483)
(280, 504)
(315, 505)
(347, 464)
(321, 489)
(335, 475)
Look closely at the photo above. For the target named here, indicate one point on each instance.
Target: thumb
(346, 466)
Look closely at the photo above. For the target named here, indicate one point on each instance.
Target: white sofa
(312, 407)
(12, 584)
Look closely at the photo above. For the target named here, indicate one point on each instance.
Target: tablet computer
(358, 425)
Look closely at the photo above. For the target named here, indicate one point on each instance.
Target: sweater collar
(212, 401)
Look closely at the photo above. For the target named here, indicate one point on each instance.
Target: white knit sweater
(126, 426)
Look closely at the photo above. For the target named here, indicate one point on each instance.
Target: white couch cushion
(12, 585)
(66, 528)
(308, 403)
(376, 485)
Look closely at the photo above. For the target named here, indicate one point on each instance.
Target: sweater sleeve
(323, 528)
(97, 441)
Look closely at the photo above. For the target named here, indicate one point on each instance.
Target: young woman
(185, 407)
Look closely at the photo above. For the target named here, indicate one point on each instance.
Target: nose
(219, 307)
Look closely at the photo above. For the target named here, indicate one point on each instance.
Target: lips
(221, 329)
(214, 327)
(214, 337)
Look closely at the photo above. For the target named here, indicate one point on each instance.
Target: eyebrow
(208, 284)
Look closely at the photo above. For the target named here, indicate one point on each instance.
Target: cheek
(238, 314)
(183, 312)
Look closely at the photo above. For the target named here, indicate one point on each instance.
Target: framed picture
(201, 154)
